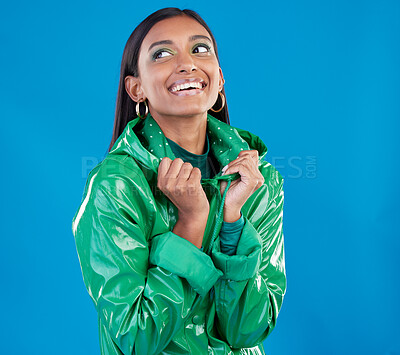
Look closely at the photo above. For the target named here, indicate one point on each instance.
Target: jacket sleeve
(250, 293)
(142, 294)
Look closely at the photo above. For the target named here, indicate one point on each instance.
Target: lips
(184, 87)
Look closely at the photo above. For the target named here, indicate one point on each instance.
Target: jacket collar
(144, 140)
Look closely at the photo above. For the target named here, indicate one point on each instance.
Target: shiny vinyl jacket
(157, 293)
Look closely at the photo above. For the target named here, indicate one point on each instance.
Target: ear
(134, 88)
(221, 81)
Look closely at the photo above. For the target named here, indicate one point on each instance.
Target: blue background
(318, 81)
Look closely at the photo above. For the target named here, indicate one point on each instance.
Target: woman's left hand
(246, 164)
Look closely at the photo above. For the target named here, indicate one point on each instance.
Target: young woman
(179, 232)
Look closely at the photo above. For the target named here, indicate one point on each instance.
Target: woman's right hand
(180, 182)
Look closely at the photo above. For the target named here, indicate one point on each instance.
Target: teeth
(194, 85)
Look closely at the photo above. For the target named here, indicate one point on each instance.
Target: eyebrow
(191, 39)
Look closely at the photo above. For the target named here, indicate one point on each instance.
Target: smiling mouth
(187, 87)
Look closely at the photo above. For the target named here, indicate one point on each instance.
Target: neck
(187, 131)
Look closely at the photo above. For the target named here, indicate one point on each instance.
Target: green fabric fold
(245, 263)
(184, 259)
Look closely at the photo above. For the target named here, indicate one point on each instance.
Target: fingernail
(224, 168)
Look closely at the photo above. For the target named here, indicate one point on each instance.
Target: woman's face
(175, 52)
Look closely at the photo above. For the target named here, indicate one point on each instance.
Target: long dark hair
(125, 110)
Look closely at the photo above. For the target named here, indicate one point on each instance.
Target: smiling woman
(167, 67)
(179, 232)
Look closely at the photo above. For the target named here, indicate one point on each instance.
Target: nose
(185, 63)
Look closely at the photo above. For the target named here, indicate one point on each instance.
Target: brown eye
(161, 54)
(201, 48)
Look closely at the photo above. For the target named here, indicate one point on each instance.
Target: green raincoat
(157, 293)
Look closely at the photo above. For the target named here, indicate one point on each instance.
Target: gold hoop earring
(138, 109)
(223, 102)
